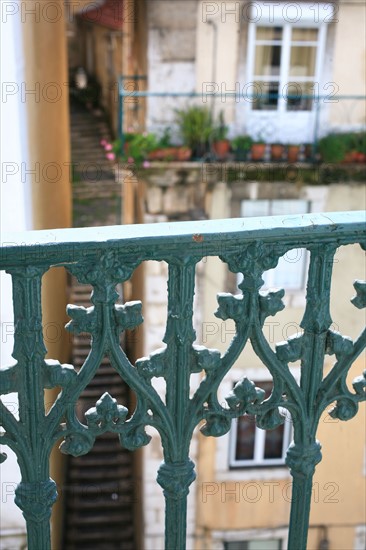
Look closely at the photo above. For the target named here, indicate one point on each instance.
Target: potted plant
(258, 149)
(334, 148)
(116, 146)
(308, 152)
(277, 150)
(183, 153)
(137, 147)
(361, 148)
(355, 147)
(164, 148)
(163, 154)
(241, 146)
(195, 127)
(166, 151)
(293, 150)
(220, 143)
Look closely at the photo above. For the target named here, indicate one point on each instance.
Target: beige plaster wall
(217, 53)
(349, 63)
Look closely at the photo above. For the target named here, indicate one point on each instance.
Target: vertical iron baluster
(304, 453)
(177, 471)
(36, 492)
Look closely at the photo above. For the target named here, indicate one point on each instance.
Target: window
(285, 65)
(251, 446)
(290, 272)
(262, 544)
(284, 54)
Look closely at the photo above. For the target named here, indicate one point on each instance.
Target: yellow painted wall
(49, 157)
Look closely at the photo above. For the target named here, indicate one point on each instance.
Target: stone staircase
(100, 488)
(96, 195)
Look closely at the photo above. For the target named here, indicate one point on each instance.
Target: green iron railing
(106, 256)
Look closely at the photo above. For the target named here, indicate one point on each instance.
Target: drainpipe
(214, 58)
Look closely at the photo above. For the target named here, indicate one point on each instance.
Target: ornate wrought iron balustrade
(106, 256)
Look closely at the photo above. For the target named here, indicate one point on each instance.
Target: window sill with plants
(198, 138)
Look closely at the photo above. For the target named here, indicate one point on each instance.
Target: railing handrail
(271, 95)
(189, 233)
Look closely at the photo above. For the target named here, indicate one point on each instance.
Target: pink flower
(103, 142)
(130, 160)
(108, 147)
(111, 156)
(146, 164)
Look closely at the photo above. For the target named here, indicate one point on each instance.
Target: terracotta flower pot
(350, 157)
(166, 153)
(277, 151)
(361, 157)
(183, 153)
(293, 153)
(221, 148)
(258, 150)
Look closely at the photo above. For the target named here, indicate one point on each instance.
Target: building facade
(242, 496)
(277, 71)
(260, 53)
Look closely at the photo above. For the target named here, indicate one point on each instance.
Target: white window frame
(220, 537)
(360, 537)
(259, 445)
(222, 470)
(248, 542)
(308, 22)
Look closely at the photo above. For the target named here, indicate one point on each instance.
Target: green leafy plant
(220, 130)
(362, 143)
(241, 146)
(195, 127)
(136, 147)
(241, 143)
(333, 148)
(346, 147)
(166, 139)
(355, 141)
